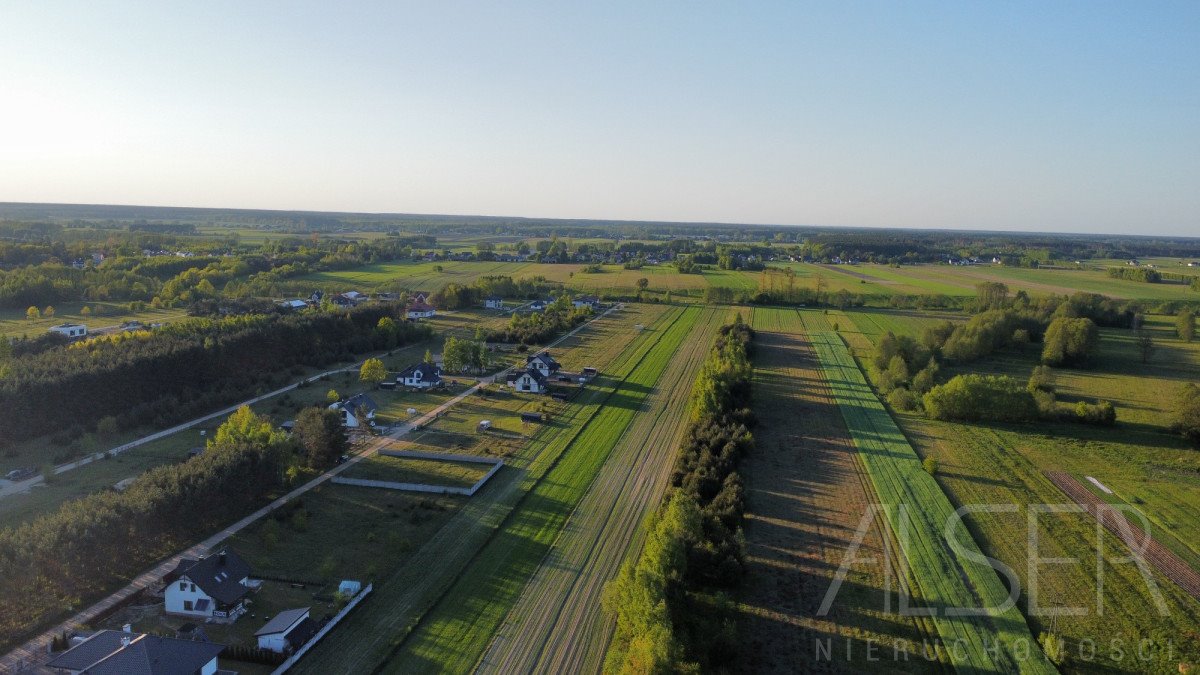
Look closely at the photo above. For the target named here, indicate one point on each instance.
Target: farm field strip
(557, 624)
(806, 492)
(1163, 560)
(452, 636)
(379, 626)
(944, 579)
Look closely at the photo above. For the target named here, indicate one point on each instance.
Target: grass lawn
(423, 471)
(13, 322)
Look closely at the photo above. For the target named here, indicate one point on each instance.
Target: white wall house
(531, 381)
(494, 302)
(543, 363)
(71, 330)
(420, 310)
(420, 376)
(358, 410)
(212, 588)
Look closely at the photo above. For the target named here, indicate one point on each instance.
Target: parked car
(20, 474)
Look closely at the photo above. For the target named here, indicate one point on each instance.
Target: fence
(291, 661)
(424, 487)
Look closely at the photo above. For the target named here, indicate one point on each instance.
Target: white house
(586, 301)
(71, 330)
(420, 376)
(293, 304)
(543, 363)
(356, 410)
(211, 588)
(531, 381)
(537, 305)
(112, 651)
(287, 632)
(494, 302)
(420, 310)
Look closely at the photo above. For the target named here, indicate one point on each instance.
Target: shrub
(1187, 413)
(904, 399)
(980, 397)
(1100, 414)
(930, 465)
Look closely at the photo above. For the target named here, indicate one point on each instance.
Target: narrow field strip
(451, 637)
(557, 625)
(1160, 557)
(380, 625)
(946, 579)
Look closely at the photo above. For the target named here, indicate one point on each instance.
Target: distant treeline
(183, 369)
(671, 603)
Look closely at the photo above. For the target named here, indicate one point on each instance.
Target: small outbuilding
(349, 587)
(288, 631)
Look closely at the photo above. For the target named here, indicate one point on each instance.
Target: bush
(980, 398)
(904, 399)
(1187, 413)
(1100, 414)
(930, 465)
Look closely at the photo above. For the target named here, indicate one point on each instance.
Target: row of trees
(540, 327)
(185, 368)
(671, 605)
(460, 356)
(92, 544)
(1144, 274)
(456, 296)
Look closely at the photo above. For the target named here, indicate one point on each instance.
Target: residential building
(420, 310)
(494, 302)
(111, 652)
(358, 410)
(543, 363)
(212, 587)
(71, 330)
(420, 376)
(531, 381)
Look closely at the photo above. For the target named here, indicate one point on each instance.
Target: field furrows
(377, 627)
(1161, 558)
(806, 496)
(557, 625)
(453, 635)
(918, 512)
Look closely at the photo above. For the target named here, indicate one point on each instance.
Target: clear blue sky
(1066, 116)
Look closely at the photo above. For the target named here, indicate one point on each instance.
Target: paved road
(30, 657)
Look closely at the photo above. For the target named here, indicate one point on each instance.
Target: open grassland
(806, 495)
(946, 578)
(405, 592)
(411, 276)
(412, 470)
(557, 625)
(453, 635)
(736, 280)
(1044, 281)
(14, 323)
(616, 279)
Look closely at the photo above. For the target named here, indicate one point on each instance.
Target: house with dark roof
(421, 376)
(586, 301)
(287, 632)
(212, 587)
(531, 381)
(420, 310)
(543, 363)
(112, 652)
(356, 411)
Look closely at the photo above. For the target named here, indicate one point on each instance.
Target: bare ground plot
(557, 625)
(805, 499)
(423, 471)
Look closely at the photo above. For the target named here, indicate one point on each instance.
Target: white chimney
(125, 641)
(128, 628)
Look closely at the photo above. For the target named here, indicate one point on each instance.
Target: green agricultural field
(452, 637)
(404, 594)
(410, 276)
(945, 578)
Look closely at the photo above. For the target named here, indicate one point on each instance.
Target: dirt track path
(557, 624)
